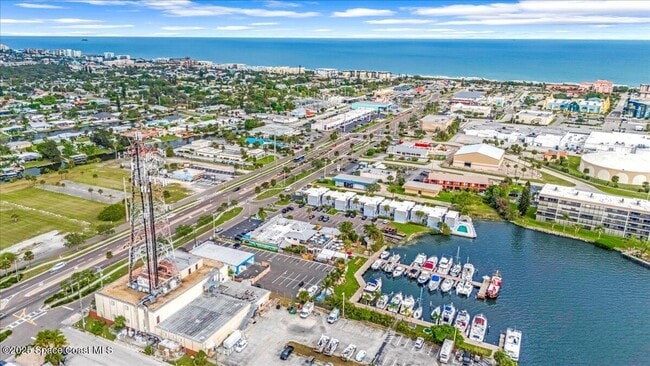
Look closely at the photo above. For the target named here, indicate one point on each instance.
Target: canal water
(575, 304)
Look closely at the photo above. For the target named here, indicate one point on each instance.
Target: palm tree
(100, 191)
(576, 228)
(51, 339)
(565, 218)
(420, 215)
(261, 213)
(386, 209)
(28, 256)
(90, 190)
(355, 201)
(600, 229)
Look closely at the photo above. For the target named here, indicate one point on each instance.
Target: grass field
(177, 192)
(268, 193)
(29, 224)
(350, 286)
(266, 160)
(61, 204)
(548, 178)
(409, 229)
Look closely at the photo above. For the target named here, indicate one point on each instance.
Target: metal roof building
(236, 260)
(353, 181)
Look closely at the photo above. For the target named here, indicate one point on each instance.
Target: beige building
(433, 123)
(419, 188)
(479, 156)
(629, 168)
(198, 312)
(529, 117)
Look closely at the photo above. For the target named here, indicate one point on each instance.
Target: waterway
(575, 304)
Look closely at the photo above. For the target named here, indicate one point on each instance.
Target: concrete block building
(479, 156)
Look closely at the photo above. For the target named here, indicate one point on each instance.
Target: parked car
(364, 217)
(241, 345)
(419, 342)
(286, 352)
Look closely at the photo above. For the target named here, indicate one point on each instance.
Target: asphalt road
(27, 296)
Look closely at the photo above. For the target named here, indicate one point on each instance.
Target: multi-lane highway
(27, 297)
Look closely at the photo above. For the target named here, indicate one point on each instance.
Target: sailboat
(456, 268)
(417, 313)
(468, 271)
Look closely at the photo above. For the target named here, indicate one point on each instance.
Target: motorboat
(331, 346)
(384, 255)
(395, 302)
(478, 328)
(434, 282)
(376, 265)
(389, 267)
(413, 273)
(322, 343)
(424, 277)
(436, 315)
(407, 306)
(512, 344)
(394, 258)
(373, 285)
(417, 313)
(495, 286)
(464, 288)
(419, 260)
(444, 265)
(382, 302)
(446, 285)
(462, 321)
(398, 271)
(430, 264)
(468, 271)
(455, 270)
(448, 314)
(348, 352)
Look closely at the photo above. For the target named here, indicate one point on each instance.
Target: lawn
(350, 286)
(228, 215)
(29, 224)
(268, 193)
(176, 192)
(409, 228)
(61, 204)
(266, 160)
(548, 178)
(475, 207)
(187, 361)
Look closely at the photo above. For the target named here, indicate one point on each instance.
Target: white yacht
(373, 285)
(413, 273)
(398, 271)
(389, 267)
(384, 255)
(479, 327)
(417, 313)
(464, 288)
(445, 265)
(446, 285)
(512, 344)
(436, 315)
(382, 302)
(395, 303)
(455, 270)
(376, 265)
(448, 314)
(434, 282)
(430, 264)
(462, 321)
(424, 277)
(394, 258)
(468, 271)
(407, 306)
(419, 260)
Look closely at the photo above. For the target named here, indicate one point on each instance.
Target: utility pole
(126, 200)
(81, 309)
(343, 305)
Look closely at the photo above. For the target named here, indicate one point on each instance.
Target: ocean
(575, 304)
(623, 62)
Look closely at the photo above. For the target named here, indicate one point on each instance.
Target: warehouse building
(236, 260)
(629, 168)
(420, 188)
(479, 156)
(353, 181)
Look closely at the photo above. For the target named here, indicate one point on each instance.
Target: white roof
(633, 204)
(484, 149)
(401, 206)
(342, 196)
(438, 211)
(627, 162)
(316, 191)
(452, 213)
(229, 256)
(617, 138)
(370, 200)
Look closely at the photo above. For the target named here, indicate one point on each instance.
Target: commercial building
(457, 182)
(378, 174)
(616, 141)
(481, 110)
(629, 217)
(408, 150)
(629, 168)
(420, 188)
(479, 156)
(529, 117)
(433, 123)
(374, 106)
(187, 174)
(343, 120)
(637, 108)
(342, 199)
(279, 232)
(236, 260)
(353, 181)
(591, 105)
(468, 97)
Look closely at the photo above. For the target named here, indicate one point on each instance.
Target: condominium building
(629, 217)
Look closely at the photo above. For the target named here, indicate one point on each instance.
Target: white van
(446, 350)
(334, 316)
(241, 345)
(306, 309)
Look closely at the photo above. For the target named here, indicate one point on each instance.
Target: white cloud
(180, 28)
(103, 2)
(20, 21)
(362, 12)
(233, 28)
(95, 26)
(261, 24)
(38, 6)
(281, 4)
(186, 8)
(322, 30)
(548, 20)
(399, 21)
(75, 20)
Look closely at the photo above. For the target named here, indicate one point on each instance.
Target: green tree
(114, 212)
(28, 256)
(7, 259)
(105, 229)
(109, 255)
(600, 229)
(201, 359)
(49, 151)
(503, 359)
(444, 228)
(303, 296)
(148, 350)
(524, 199)
(372, 188)
(615, 180)
(119, 323)
(51, 339)
(73, 239)
(261, 213)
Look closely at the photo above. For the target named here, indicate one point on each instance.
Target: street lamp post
(81, 309)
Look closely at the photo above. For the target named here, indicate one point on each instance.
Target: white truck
(232, 340)
(306, 309)
(446, 351)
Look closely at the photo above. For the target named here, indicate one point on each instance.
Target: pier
(483, 289)
(456, 279)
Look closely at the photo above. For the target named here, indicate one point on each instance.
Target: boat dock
(483, 288)
(456, 280)
(502, 340)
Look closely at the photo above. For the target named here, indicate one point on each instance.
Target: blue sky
(504, 19)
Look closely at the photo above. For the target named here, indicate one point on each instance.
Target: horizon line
(338, 38)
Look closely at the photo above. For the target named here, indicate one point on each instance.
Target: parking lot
(300, 213)
(268, 336)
